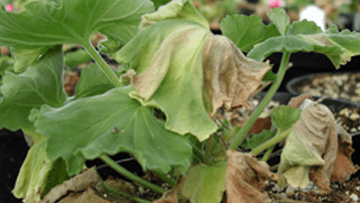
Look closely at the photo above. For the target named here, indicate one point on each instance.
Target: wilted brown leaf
(245, 178)
(89, 196)
(229, 77)
(343, 166)
(168, 197)
(311, 148)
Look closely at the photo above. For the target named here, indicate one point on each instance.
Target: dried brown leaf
(312, 144)
(229, 77)
(88, 178)
(343, 166)
(245, 178)
(89, 196)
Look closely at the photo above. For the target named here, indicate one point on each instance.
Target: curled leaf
(311, 148)
(185, 71)
(229, 77)
(245, 178)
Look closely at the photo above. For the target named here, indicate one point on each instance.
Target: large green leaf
(204, 184)
(40, 85)
(246, 31)
(71, 21)
(108, 124)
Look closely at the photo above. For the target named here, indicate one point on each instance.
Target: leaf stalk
(131, 176)
(274, 87)
(271, 142)
(102, 64)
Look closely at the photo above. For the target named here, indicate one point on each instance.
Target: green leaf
(255, 140)
(26, 57)
(279, 44)
(304, 27)
(178, 9)
(306, 36)
(40, 85)
(281, 20)
(38, 175)
(246, 31)
(117, 124)
(284, 117)
(76, 58)
(45, 23)
(204, 184)
(92, 82)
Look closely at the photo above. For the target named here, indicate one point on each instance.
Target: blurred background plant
(335, 10)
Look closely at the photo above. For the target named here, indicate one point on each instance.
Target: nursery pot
(13, 149)
(355, 157)
(343, 82)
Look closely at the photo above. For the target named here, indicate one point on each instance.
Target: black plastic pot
(13, 150)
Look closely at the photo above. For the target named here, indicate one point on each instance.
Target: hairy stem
(274, 87)
(113, 190)
(131, 176)
(102, 64)
(267, 154)
(165, 178)
(271, 142)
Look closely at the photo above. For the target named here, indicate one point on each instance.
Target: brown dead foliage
(229, 77)
(245, 178)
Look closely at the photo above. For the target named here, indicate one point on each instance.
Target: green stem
(267, 154)
(102, 64)
(274, 87)
(131, 176)
(113, 190)
(272, 142)
(165, 178)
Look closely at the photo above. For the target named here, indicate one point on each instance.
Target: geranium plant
(160, 107)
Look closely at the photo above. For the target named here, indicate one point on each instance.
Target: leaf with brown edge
(343, 166)
(310, 149)
(245, 178)
(229, 77)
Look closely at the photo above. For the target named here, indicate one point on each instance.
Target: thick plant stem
(113, 190)
(274, 87)
(272, 142)
(102, 64)
(163, 176)
(131, 176)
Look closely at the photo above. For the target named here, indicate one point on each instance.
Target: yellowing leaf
(245, 178)
(178, 62)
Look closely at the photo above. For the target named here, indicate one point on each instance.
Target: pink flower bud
(9, 8)
(275, 3)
